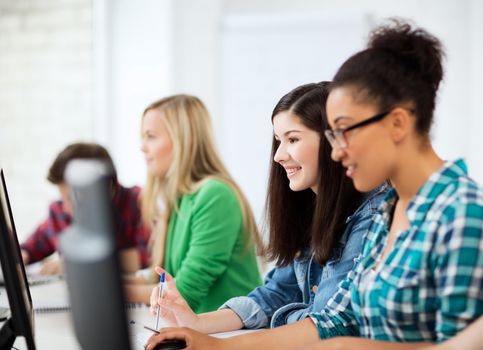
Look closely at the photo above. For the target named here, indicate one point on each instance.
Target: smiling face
(370, 155)
(157, 145)
(297, 152)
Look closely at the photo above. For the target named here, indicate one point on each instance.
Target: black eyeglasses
(337, 137)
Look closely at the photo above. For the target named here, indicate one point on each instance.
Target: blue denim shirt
(291, 292)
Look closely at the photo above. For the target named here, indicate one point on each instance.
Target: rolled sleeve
(248, 310)
(290, 313)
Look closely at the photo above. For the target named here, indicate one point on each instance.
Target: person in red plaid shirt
(132, 235)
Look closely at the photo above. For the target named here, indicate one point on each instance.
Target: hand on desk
(174, 309)
(194, 340)
(52, 267)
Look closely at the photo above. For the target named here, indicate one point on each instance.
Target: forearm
(25, 256)
(138, 293)
(218, 321)
(130, 260)
(469, 339)
(352, 343)
(291, 337)
(294, 336)
(36, 248)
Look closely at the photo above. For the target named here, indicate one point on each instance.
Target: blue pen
(160, 293)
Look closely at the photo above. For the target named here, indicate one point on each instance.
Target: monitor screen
(21, 320)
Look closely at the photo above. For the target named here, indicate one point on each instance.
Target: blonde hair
(195, 160)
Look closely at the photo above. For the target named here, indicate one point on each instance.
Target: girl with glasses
(419, 279)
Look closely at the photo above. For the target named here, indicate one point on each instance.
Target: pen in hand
(160, 294)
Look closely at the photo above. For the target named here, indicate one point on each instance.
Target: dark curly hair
(401, 65)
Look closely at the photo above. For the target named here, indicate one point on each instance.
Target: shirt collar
(433, 187)
(368, 197)
(387, 205)
(427, 194)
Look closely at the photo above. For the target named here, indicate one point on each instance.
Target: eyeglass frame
(336, 136)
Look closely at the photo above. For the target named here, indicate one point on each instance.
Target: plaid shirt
(130, 231)
(430, 285)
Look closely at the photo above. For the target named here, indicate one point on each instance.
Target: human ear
(400, 122)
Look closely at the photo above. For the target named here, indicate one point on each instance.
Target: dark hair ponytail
(400, 65)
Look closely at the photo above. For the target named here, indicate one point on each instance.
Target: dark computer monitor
(21, 320)
(92, 268)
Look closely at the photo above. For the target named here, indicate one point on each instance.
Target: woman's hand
(194, 340)
(52, 267)
(173, 308)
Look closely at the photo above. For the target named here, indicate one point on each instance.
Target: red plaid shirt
(130, 231)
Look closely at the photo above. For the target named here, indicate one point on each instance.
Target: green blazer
(206, 248)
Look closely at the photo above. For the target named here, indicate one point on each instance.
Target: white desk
(55, 330)
(52, 330)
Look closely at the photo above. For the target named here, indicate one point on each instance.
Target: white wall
(473, 89)
(262, 57)
(133, 43)
(85, 69)
(45, 95)
(251, 76)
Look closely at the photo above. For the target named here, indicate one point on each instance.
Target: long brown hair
(298, 220)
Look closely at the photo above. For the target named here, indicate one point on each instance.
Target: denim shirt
(291, 292)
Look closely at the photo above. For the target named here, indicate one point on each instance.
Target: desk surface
(52, 330)
(55, 330)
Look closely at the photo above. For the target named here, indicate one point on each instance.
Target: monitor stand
(4, 313)
(7, 335)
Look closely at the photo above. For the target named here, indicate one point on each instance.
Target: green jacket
(206, 248)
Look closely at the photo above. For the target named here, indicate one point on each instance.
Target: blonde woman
(203, 228)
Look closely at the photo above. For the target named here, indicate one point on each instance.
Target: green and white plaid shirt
(430, 285)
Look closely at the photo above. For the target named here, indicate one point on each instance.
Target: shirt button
(315, 288)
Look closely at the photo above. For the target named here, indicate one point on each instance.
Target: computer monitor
(21, 320)
(92, 268)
